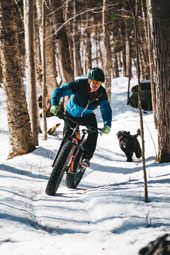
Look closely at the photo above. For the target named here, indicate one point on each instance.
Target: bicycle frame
(76, 139)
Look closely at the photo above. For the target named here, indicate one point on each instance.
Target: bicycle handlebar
(63, 116)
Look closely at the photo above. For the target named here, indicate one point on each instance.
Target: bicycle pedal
(85, 163)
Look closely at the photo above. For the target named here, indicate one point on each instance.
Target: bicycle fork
(77, 141)
(73, 154)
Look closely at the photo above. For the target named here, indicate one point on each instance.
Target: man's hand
(54, 109)
(106, 129)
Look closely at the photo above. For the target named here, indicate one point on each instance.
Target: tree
(107, 58)
(20, 135)
(88, 46)
(41, 17)
(151, 59)
(63, 53)
(76, 43)
(136, 26)
(62, 43)
(161, 28)
(47, 41)
(30, 68)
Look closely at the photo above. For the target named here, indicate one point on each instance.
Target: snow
(105, 215)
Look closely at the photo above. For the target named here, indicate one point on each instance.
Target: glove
(54, 109)
(106, 129)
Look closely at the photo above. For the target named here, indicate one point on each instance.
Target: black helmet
(96, 74)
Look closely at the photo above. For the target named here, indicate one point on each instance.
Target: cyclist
(86, 94)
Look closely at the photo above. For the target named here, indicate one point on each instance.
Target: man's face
(94, 85)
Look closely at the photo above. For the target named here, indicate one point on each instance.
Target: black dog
(129, 144)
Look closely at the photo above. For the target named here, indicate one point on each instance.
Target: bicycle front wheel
(73, 179)
(59, 168)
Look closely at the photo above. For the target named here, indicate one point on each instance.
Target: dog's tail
(138, 132)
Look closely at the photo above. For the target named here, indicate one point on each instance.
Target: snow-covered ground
(105, 215)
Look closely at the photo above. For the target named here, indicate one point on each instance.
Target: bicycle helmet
(96, 74)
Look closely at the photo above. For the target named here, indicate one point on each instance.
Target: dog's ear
(119, 133)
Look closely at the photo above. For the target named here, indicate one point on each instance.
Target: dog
(129, 144)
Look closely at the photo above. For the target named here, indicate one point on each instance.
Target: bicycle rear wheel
(73, 179)
(59, 168)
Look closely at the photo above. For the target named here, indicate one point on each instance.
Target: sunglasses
(96, 83)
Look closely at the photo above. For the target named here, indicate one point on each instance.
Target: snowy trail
(79, 211)
(81, 208)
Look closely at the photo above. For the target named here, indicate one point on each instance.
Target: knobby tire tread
(59, 168)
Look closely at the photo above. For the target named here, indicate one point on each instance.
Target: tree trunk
(136, 26)
(43, 59)
(76, 43)
(20, 136)
(21, 35)
(123, 39)
(51, 73)
(129, 66)
(62, 43)
(50, 70)
(95, 45)
(88, 52)
(116, 65)
(41, 19)
(107, 59)
(161, 28)
(144, 39)
(30, 68)
(151, 61)
(68, 14)
(142, 63)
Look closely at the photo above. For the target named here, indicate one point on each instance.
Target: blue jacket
(82, 102)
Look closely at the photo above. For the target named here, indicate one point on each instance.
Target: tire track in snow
(80, 210)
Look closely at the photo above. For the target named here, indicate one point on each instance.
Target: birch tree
(30, 68)
(20, 136)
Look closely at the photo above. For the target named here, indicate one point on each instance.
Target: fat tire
(73, 180)
(59, 168)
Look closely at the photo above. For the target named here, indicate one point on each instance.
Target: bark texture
(20, 136)
(161, 28)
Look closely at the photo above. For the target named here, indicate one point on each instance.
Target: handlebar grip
(60, 115)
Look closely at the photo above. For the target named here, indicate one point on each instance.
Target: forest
(46, 43)
(120, 206)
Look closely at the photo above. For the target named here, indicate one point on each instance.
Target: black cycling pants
(90, 144)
